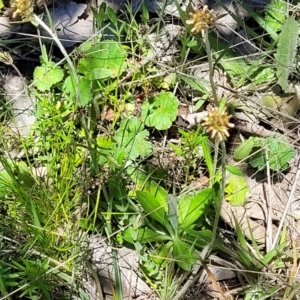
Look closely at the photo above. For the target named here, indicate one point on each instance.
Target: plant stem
(211, 66)
(216, 153)
(218, 202)
(75, 82)
(114, 253)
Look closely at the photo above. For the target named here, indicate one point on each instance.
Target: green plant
(43, 208)
(189, 148)
(193, 148)
(28, 272)
(251, 258)
(236, 187)
(102, 173)
(258, 292)
(102, 61)
(131, 136)
(286, 52)
(48, 74)
(276, 152)
(7, 279)
(160, 111)
(172, 223)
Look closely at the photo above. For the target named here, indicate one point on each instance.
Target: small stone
(22, 106)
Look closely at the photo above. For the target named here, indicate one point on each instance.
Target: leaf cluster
(273, 152)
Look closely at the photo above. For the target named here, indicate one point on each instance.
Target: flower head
(24, 8)
(218, 123)
(201, 19)
(6, 58)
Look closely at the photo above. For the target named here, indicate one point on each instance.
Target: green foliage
(250, 257)
(286, 52)
(146, 178)
(84, 88)
(257, 73)
(265, 24)
(172, 220)
(258, 261)
(192, 207)
(129, 141)
(277, 152)
(184, 254)
(258, 292)
(98, 177)
(195, 84)
(29, 272)
(131, 136)
(232, 65)
(47, 76)
(193, 147)
(152, 206)
(160, 111)
(102, 61)
(190, 142)
(236, 189)
(234, 170)
(30, 276)
(276, 14)
(7, 279)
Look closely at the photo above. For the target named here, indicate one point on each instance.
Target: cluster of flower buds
(201, 19)
(24, 9)
(217, 122)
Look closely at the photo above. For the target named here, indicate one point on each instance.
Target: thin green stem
(65, 54)
(218, 200)
(109, 233)
(211, 67)
(216, 153)
(75, 82)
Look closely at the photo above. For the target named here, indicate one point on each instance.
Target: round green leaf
(160, 111)
(47, 75)
(236, 190)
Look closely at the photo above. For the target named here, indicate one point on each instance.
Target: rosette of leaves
(173, 224)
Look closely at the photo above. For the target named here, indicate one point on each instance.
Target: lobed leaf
(280, 153)
(84, 90)
(236, 189)
(104, 60)
(132, 137)
(47, 75)
(160, 111)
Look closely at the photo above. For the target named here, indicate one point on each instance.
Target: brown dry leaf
(183, 110)
(193, 119)
(108, 113)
